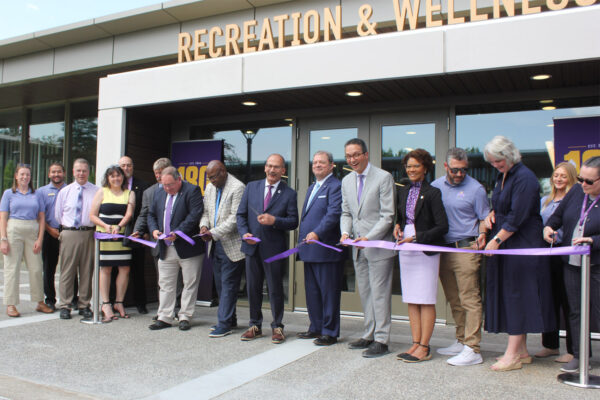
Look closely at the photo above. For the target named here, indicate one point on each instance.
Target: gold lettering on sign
(474, 15)
(429, 10)
(199, 44)
(406, 10)
(248, 36)
(296, 37)
(364, 27)
(584, 3)
(331, 25)
(213, 52)
(316, 34)
(232, 35)
(529, 10)
(451, 18)
(556, 6)
(184, 44)
(280, 19)
(509, 7)
(266, 35)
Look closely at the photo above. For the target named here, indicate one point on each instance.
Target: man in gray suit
(368, 204)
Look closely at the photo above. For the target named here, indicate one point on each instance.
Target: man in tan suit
(218, 228)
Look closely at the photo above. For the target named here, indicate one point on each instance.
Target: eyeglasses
(588, 181)
(353, 156)
(456, 170)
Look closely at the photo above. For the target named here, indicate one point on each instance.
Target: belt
(466, 242)
(81, 228)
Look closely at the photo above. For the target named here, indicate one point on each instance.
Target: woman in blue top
(562, 180)
(518, 295)
(21, 235)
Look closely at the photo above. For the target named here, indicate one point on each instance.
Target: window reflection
(84, 130)
(10, 147)
(332, 140)
(399, 140)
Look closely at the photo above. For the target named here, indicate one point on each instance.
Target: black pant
(550, 340)
(572, 276)
(50, 250)
(136, 275)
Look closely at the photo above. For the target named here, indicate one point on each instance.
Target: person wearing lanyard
(579, 216)
(22, 232)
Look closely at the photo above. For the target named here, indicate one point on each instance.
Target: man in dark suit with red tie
(323, 267)
(268, 210)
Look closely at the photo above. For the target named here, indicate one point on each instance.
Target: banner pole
(583, 379)
(95, 288)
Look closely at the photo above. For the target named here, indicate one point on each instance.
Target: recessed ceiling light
(541, 77)
(550, 125)
(249, 103)
(411, 132)
(549, 101)
(288, 119)
(325, 137)
(354, 94)
(548, 108)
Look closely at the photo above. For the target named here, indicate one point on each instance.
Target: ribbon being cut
(289, 252)
(106, 236)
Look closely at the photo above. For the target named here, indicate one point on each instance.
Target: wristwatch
(497, 239)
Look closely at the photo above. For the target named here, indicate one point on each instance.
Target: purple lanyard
(585, 213)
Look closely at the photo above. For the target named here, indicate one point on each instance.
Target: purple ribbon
(181, 235)
(254, 239)
(543, 251)
(289, 252)
(105, 236)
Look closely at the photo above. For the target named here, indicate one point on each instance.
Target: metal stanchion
(95, 289)
(583, 379)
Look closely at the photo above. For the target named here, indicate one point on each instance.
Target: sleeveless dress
(112, 211)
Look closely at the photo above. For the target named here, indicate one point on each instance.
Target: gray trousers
(374, 280)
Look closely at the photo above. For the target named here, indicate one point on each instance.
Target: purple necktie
(168, 218)
(360, 186)
(267, 198)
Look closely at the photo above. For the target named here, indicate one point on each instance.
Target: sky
(19, 17)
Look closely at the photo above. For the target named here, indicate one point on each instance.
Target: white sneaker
(452, 350)
(466, 357)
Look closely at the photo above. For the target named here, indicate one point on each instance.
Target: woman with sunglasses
(518, 288)
(22, 224)
(562, 180)
(579, 217)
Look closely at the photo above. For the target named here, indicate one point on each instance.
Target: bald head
(126, 164)
(216, 173)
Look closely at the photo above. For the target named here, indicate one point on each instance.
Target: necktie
(360, 186)
(217, 205)
(168, 211)
(78, 208)
(267, 198)
(313, 193)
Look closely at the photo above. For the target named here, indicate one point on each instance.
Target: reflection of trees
(472, 149)
(9, 171)
(390, 153)
(84, 142)
(231, 157)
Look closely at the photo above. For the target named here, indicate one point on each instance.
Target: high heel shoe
(121, 311)
(106, 318)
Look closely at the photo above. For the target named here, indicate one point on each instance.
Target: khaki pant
(459, 274)
(167, 281)
(76, 257)
(22, 235)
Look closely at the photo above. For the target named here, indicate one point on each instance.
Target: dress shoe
(325, 340)
(86, 312)
(278, 337)
(52, 306)
(65, 313)
(219, 332)
(43, 308)
(251, 333)
(184, 325)
(159, 325)
(142, 309)
(360, 344)
(376, 349)
(307, 335)
(12, 311)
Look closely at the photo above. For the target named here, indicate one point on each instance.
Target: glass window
(84, 130)
(46, 141)
(531, 131)
(399, 140)
(332, 140)
(10, 146)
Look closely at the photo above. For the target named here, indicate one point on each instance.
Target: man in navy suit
(176, 208)
(323, 268)
(267, 211)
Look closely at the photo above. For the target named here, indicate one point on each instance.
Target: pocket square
(322, 197)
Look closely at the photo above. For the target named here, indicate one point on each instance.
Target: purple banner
(576, 139)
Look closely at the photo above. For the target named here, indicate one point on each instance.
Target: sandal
(122, 314)
(413, 359)
(501, 366)
(402, 355)
(106, 317)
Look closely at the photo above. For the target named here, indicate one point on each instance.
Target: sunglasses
(455, 170)
(588, 181)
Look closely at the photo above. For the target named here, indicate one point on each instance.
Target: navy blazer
(185, 217)
(567, 216)
(323, 218)
(282, 206)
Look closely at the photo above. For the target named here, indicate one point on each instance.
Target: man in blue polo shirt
(466, 206)
(50, 247)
